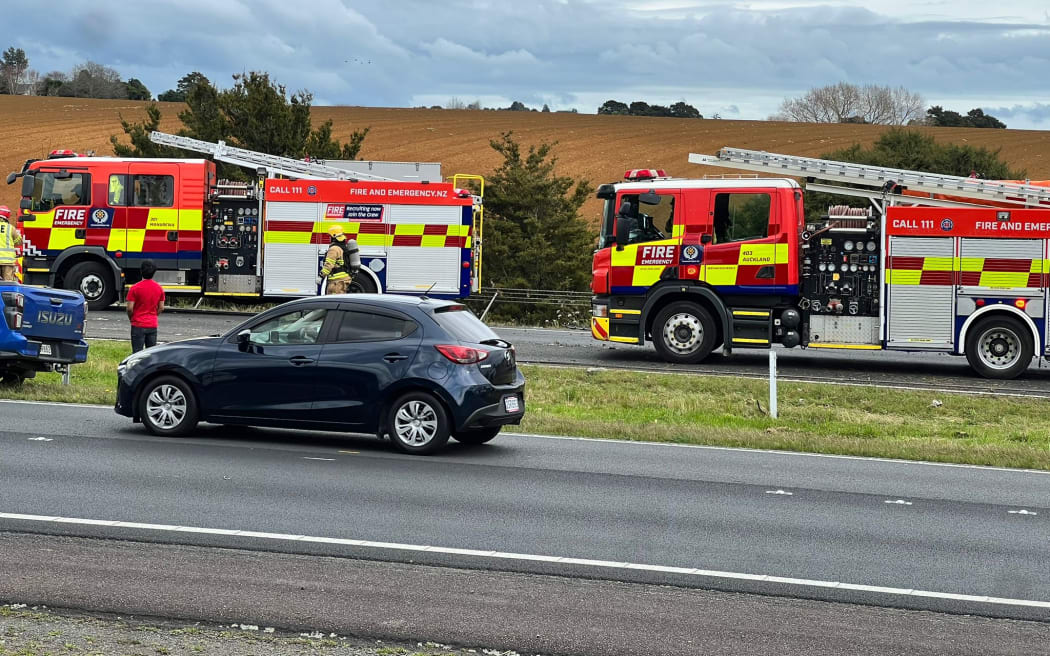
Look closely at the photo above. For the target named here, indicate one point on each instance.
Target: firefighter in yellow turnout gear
(341, 262)
(9, 240)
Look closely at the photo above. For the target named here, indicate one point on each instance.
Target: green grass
(720, 411)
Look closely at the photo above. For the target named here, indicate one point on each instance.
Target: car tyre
(95, 281)
(418, 424)
(477, 435)
(684, 333)
(999, 347)
(167, 407)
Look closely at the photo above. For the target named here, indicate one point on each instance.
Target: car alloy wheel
(417, 423)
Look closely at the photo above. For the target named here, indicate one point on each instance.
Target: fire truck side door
(115, 199)
(153, 215)
(743, 255)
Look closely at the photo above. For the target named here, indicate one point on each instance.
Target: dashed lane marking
(501, 555)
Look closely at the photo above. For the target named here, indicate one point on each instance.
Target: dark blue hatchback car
(415, 369)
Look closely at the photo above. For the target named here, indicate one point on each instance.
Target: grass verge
(837, 419)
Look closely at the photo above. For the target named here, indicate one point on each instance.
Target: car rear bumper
(496, 414)
(30, 353)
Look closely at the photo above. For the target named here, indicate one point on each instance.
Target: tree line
(875, 104)
(86, 80)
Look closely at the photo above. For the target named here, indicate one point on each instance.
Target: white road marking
(784, 492)
(899, 502)
(40, 439)
(325, 459)
(501, 555)
(1022, 512)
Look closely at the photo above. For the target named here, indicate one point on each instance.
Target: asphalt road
(575, 347)
(895, 534)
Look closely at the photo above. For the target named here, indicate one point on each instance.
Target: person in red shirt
(145, 302)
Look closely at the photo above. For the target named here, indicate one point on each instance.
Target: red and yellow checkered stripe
(370, 234)
(1004, 273)
(146, 231)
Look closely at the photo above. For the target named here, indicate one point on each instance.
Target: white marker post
(772, 383)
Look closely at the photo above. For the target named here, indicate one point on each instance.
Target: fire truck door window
(741, 217)
(153, 190)
(118, 194)
(645, 221)
(50, 192)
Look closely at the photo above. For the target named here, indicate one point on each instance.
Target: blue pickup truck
(42, 330)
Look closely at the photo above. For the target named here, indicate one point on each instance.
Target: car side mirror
(706, 239)
(28, 184)
(244, 340)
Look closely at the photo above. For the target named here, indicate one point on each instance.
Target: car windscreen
(459, 322)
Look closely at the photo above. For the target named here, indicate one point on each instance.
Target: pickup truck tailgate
(52, 314)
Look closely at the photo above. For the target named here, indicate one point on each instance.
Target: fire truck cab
(697, 265)
(87, 220)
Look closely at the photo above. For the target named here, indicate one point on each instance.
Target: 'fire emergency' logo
(311, 190)
(947, 225)
(656, 255)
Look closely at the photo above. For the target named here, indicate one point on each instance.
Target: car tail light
(462, 354)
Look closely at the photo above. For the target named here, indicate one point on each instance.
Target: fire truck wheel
(418, 424)
(95, 281)
(167, 407)
(684, 333)
(999, 347)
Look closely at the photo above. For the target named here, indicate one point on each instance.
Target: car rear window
(459, 322)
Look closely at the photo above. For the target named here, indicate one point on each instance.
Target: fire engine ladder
(872, 182)
(274, 165)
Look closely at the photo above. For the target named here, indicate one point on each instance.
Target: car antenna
(424, 296)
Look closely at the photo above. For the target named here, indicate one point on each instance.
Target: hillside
(599, 148)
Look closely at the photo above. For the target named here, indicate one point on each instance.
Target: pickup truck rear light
(462, 354)
(15, 300)
(13, 318)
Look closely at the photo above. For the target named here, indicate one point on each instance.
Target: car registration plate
(511, 404)
(45, 349)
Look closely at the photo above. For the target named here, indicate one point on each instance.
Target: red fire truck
(89, 222)
(936, 263)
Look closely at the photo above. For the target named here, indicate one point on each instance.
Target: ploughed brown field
(598, 148)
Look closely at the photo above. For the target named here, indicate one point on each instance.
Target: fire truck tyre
(167, 407)
(477, 435)
(999, 347)
(418, 424)
(95, 281)
(684, 333)
(363, 284)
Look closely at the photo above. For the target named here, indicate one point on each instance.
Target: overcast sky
(737, 59)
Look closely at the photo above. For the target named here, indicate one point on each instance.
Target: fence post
(772, 383)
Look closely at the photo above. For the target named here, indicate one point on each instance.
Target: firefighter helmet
(336, 232)
(5, 212)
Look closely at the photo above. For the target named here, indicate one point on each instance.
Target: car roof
(392, 300)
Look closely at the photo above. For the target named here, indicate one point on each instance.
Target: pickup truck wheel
(477, 435)
(999, 347)
(10, 379)
(95, 281)
(684, 333)
(167, 407)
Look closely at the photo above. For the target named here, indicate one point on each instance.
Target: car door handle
(394, 357)
(301, 360)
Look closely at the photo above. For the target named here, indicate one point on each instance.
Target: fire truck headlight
(599, 311)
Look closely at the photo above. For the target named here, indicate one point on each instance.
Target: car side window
(294, 328)
(369, 327)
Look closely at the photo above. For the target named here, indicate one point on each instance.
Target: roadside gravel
(40, 631)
